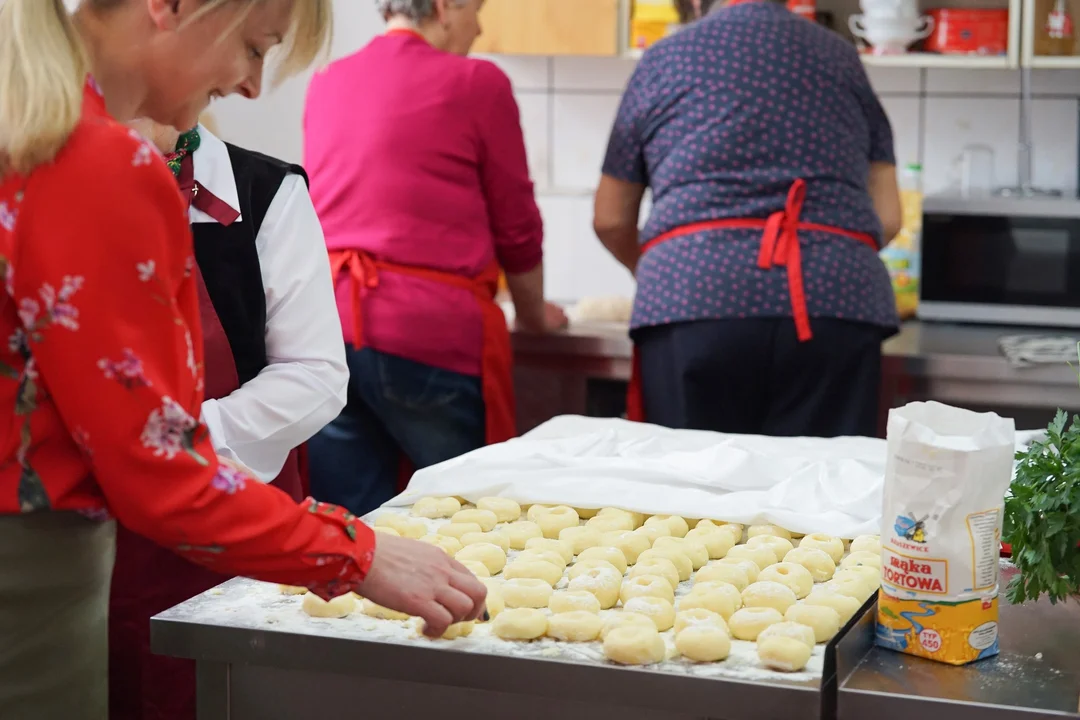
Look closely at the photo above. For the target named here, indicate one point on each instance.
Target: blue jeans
(394, 406)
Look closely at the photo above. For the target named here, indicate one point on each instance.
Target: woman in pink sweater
(418, 174)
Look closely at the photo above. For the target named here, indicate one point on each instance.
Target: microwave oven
(1013, 261)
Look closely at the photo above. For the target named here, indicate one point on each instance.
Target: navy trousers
(753, 376)
(394, 406)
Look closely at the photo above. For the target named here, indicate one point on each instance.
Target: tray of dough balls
(688, 596)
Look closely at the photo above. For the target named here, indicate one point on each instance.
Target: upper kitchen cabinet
(1050, 33)
(551, 27)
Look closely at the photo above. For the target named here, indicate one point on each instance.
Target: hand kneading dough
(845, 606)
(677, 558)
(436, 507)
(797, 578)
(862, 558)
(831, 546)
(583, 566)
(646, 586)
(610, 554)
(405, 526)
(629, 543)
(604, 583)
(866, 543)
(731, 574)
(755, 530)
(719, 597)
(793, 630)
(445, 543)
(634, 646)
(292, 590)
(751, 567)
(625, 619)
(563, 548)
(498, 539)
(661, 612)
(824, 621)
(535, 569)
(747, 624)
(526, 593)
(573, 601)
(696, 551)
(477, 568)
(520, 624)
(521, 532)
(715, 540)
(658, 566)
(676, 525)
(818, 562)
(339, 607)
(783, 653)
(556, 519)
(458, 530)
(762, 555)
(580, 537)
(505, 509)
(490, 555)
(703, 643)
(575, 626)
(698, 616)
(484, 518)
(378, 611)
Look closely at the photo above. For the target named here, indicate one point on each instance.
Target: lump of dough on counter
(492, 556)
(818, 562)
(612, 309)
(563, 548)
(823, 621)
(484, 518)
(748, 623)
(635, 517)
(762, 556)
(574, 626)
(534, 511)
(779, 545)
(549, 556)
(682, 564)
(505, 509)
(526, 593)
(755, 530)
(845, 606)
(583, 566)
(784, 653)
(520, 624)
(573, 601)
(387, 531)
(405, 526)
(494, 601)
(653, 532)
(534, 569)
(853, 587)
(797, 578)
(677, 526)
(435, 507)
(856, 559)
(378, 611)
(554, 520)
(646, 586)
(866, 543)
(831, 546)
(773, 595)
(751, 567)
(617, 620)
(699, 616)
(292, 590)
(580, 537)
(602, 582)
(635, 645)
(628, 542)
(660, 611)
(869, 575)
(719, 572)
(447, 544)
(458, 530)
(455, 631)
(793, 630)
(703, 643)
(658, 566)
(494, 537)
(735, 528)
(521, 532)
(610, 554)
(339, 607)
(476, 567)
(696, 551)
(718, 597)
(716, 541)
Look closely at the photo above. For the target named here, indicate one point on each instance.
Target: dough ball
(292, 590)
(526, 593)
(436, 507)
(768, 594)
(583, 566)
(660, 611)
(563, 548)
(658, 566)
(476, 567)
(793, 630)
(534, 569)
(382, 613)
(610, 523)
(867, 574)
(573, 601)
(682, 564)
(617, 620)
(831, 546)
(339, 607)
(635, 517)
(779, 545)
(494, 601)
(677, 526)
(405, 526)
(505, 509)
(586, 513)
(496, 538)
(853, 587)
(823, 621)
(484, 518)
(646, 586)
(492, 556)
(521, 532)
(629, 543)
(856, 559)
(536, 511)
(580, 537)
(554, 520)
(455, 631)
(793, 575)
(751, 567)
(818, 562)
(696, 551)
(703, 643)
(574, 626)
(716, 541)
(610, 554)
(845, 606)
(520, 624)
(635, 645)
(783, 653)
(755, 530)
(614, 309)
(762, 556)
(731, 574)
(748, 623)
(717, 597)
(653, 532)
(734, 528)
(866, 543)
(387, 531)
(699, 616)
(602, 582)
(546, 555)
(458, 530)
(445, 543)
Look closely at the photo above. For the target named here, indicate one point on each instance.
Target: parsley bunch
(1042, 515)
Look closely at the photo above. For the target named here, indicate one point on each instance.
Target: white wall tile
(905, 116)
(582, 126)
(973, 82)
(894, 80)
(953, 123)
(525, 72)
(1055, 82)
(584, 73)
(534, 123)
(559, 231)
(1054, 129)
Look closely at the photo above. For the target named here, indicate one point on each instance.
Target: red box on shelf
(969, 32)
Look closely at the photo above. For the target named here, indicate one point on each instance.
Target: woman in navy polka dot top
(761, 301)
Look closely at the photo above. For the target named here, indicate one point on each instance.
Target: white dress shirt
(303, 387)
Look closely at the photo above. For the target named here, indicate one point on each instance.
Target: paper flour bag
(945, 480)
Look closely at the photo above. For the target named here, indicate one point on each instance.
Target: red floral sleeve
(105, 292)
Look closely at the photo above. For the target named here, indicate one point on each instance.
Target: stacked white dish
(890, 27)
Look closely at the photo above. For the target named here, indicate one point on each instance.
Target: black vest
(229, 260)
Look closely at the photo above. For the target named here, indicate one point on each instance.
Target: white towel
(1028, 350)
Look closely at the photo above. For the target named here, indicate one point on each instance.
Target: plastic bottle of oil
(901, 256)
